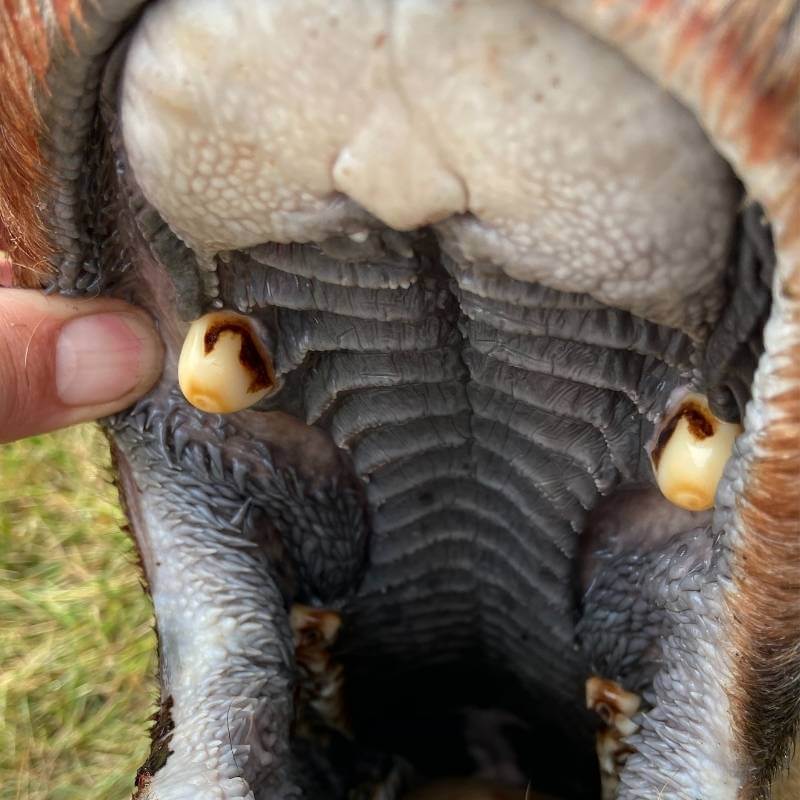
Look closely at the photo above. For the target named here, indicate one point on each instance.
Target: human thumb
(64, 361)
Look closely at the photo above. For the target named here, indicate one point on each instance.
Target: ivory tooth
(223, 366)
(691, 452)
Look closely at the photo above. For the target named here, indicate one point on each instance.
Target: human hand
(64, 361)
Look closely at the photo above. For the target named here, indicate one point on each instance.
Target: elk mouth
(487, 259)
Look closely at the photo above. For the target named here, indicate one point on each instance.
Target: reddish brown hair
(24, 60)
(737, 63)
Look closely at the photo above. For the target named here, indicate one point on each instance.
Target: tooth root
(223, 366)
(691, 453)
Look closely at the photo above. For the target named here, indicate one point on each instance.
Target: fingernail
(99, 358)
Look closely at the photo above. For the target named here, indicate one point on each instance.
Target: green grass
(76, 641)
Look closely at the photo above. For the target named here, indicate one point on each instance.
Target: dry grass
(76, 641)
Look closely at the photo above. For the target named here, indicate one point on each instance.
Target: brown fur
(787, 785)
(24, 60)
(765, 608)
(160, 737)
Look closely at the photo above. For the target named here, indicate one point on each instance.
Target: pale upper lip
(440, 114)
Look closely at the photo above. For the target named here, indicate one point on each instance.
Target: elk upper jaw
(507, 191)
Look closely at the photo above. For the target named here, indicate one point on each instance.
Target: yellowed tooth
(320, 676)
(691, 452)
(223, 366)
(616, 707)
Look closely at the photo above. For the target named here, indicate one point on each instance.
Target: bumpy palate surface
(278, 121)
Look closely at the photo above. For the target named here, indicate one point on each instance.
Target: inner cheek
(630, 520)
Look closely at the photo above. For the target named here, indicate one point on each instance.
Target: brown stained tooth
(690, 454)
(223, 366)
(320, 678)
(616, 707)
